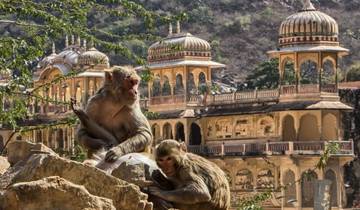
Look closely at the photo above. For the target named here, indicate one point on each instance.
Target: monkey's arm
(195, 191)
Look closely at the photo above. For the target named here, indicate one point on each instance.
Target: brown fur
(199, 183)
(113, 117)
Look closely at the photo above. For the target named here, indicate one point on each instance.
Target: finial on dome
(53, 48)
(170, 29)
(66, 41)
(308, 5)
(178, 27)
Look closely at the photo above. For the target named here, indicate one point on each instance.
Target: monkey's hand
(113, 154)
(153, 190)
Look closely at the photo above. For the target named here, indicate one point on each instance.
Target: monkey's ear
(108, 78)
(183, 147)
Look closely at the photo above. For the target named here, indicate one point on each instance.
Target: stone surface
(22, 150)
(125, 196)
(52, 193)
(4, 165)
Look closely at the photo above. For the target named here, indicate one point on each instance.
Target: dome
(93, 57)
(177, 46)
(308, 26)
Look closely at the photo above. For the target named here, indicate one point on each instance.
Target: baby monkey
(198, 183)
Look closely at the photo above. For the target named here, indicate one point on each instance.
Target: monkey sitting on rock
(112, 120)
(198, 183)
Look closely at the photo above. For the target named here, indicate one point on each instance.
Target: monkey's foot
(145, 205)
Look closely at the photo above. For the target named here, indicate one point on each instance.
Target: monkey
(112, 119)
(198, 183)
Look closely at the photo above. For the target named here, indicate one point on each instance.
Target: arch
(1, 142)
(191, 87)
(195, 134)
(50, 139)
(156, 132)
(266, 126)
(91, 88)
(228, 176)
(202, 78)
(288, 74)
(60, 139)
(167, 131)
(180, 132)
(244, 180)
(329, 128)
(166, 89)
(308, 130)
(288, 128)
(328, 72)
(265, 179)
(309, 72)
(330, 175)
(179, 86)
(38, 135)
(156, 87)
(307, 188)
(290, 190)
(78, 92)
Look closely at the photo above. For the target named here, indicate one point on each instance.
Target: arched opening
(288, 129)
(38, 136)
(328, 73)
(180, 133)
(179, 86)
(308, 128)
(265, 179)
(156, 132)
(1, 143)
(309, 73)
(195, 134)
(202, 78)
(330, 175)
(290, 190)
(266, 126)
(60, 139)
(307, 188)
(91, 88)
(156, 87)
(329, 128)
(244, 180)
(167, 131)
(191, 87)
(166, 89)
(51, 139)
(289, 76)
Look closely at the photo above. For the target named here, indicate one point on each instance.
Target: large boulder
(52, 193)
(97, 182)
(22, 150)
(4, 165)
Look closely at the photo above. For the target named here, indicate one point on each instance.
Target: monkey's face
(167, 164)
(125, 83)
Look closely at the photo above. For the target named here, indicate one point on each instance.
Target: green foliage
(265, 75)
(254, 203)
(353, 74)
(151, 115)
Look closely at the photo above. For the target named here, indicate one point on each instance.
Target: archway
(309, 73)
(38, 136)
(289, 76)
(307, 188)
(180, 133)
(329, 128)
(288, 129)
(166, 89)
(191, 87)
(308, 128)
(60, 139)
(244, 180)
(156, 87)
(290, 190)
(195, 134)
(179, 86)
(330, 175)
(167, 131)
(328, 73)
(202, 78)
(156, 132)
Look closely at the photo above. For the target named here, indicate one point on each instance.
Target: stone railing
(271, 148)
(308, 88)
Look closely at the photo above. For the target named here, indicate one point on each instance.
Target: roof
(212, 64)
(310, 48)
(91, 74)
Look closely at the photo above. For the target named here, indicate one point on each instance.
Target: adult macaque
(113, 119)
(198, 183)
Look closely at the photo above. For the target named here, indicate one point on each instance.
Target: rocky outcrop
(4, 165)
(123, 194)
(52, 193)
(22, 150)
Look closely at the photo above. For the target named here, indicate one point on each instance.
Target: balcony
(271, 148)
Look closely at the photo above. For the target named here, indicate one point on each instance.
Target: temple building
(262, 139)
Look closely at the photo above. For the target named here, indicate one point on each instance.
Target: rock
(52, 193)
(124, 195)
(4, 165)
(22, 150)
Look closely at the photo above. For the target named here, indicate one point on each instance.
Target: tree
(265, 75)
(29, 27)
(353, 74)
